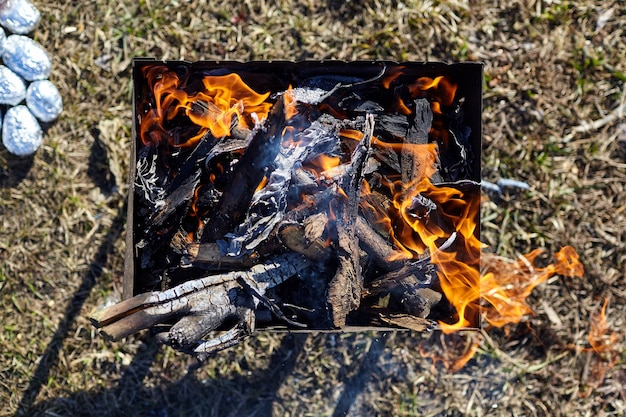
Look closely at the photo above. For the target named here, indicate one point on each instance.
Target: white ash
(273, 196)
(19, 16)
(21, 133)
(26, 57)
(309, 95)
(12, 87)
(44, 101)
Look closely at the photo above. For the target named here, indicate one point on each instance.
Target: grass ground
(554, 105)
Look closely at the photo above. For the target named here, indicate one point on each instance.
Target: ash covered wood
(301, 213)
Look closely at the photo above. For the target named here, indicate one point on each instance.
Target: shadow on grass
(252, 393)
(98, 169)
(15, 169)
(248, 394)
(50, 357)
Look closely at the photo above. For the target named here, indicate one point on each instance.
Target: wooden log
(404, 292)
(307, 239)
(209, 295)
(407, 321)
(211, 255)
(377, 248)
(248, 174)
(180, 196)
(417, 134)
(344, 290)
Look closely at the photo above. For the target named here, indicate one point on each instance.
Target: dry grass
(551, 66)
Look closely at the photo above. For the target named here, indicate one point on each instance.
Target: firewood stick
(307, 238)
(416, 134)
(210, 253)
(201, 296)
(179, 196)
(377, 247)
(293, 236)
(248, 174)
(406, 290)
(139, 302)
(407, 321)
(344, 290)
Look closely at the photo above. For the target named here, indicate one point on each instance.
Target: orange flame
(391, 76)
(505, 286)
(602, 341)
(290, 104)
(443, 90)
(194, 214)
(456, 350)
(262, 184)
(227, 96)
(213, 109)
(605, 344)
(424, 216)
(402, 107)
(322, 163)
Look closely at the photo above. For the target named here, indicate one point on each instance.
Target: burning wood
(316, 198)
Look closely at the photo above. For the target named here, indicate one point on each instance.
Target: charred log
(344, 290)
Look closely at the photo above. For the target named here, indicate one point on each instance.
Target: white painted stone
(19, 16)
(3, 37)
(12, 87)
(21, 133)
(26, 57)
(44, 101)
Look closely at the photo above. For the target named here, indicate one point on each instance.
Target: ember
(306, 195)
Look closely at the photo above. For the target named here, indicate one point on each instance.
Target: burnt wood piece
(213, 297)
(211, 256)
(248, 174)
(344, 290)
(181, 195)
(193, 161)
(167, 213)
(416, 134)
(407, 290)
(376, 247)
(269, 204)
(226, 145)
(408, 321)
(307, 239)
